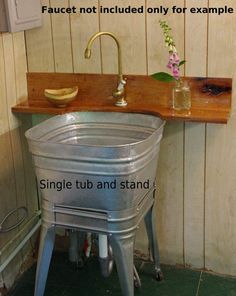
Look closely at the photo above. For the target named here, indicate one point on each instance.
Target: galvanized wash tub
(115, 151)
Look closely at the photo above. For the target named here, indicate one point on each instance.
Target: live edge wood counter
(211, 97)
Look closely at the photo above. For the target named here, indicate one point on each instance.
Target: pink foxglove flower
(174, 61)
(173, 64)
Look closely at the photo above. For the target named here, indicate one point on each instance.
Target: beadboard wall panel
(196, 28)
(196, 182)
(62, 38)
(17, 184)
(40, 54)
(220, 208)
(7, 182)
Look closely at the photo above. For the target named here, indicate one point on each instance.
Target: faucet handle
(121, 84)
(119, 93)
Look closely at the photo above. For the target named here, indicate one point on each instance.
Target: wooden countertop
(211, 97)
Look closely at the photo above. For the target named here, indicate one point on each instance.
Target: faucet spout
(87, 53)
(119, 93)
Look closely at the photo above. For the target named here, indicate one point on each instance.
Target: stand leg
(123, 248)
(150, 223)
(47, 238)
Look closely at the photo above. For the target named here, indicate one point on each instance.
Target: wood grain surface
(143, 93)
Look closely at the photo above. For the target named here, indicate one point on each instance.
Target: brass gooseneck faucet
(119, 93)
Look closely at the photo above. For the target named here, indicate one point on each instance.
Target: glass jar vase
(181, 95)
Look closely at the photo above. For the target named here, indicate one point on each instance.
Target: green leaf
(162, 76)
(181, 63)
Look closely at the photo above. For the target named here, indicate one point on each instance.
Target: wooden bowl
(61, 97)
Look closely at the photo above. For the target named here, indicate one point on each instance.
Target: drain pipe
(103, 250)
(20, 246)
(105, 255)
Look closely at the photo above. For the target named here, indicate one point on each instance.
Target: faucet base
(121, 103)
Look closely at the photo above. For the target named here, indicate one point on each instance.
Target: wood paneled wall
(17, 184)
(197, 169)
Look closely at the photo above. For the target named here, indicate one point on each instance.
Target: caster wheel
(137, 281)
(80, 263)
(159, 276)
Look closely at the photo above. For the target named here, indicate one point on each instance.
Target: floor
(66, 280)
